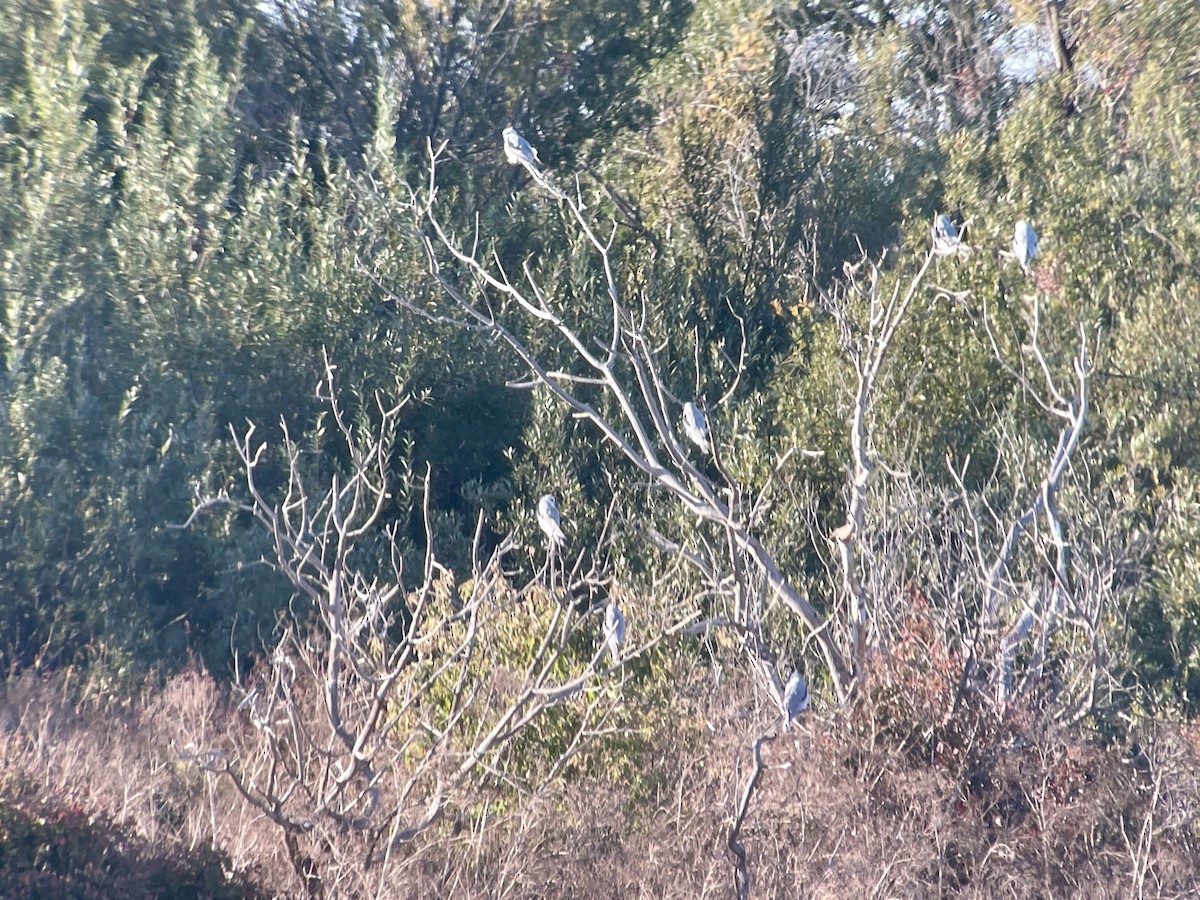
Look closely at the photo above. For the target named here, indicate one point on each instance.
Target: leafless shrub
(986, 805)
(623, 360)
(390, 707)
(1013, 613)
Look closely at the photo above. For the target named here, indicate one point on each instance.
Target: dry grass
(846, 807)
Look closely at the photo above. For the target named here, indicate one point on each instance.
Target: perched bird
(614, 630)
(695, 426)
(547, 518)
(795, 697)
(518, 152)
(945, 235)
(1024, 245)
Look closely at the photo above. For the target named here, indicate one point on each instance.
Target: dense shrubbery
(199, 207)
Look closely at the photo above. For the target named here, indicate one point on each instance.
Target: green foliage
(192, 199)
(153, 296)
(200, 201)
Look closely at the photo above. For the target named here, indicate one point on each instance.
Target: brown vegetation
(897, 797)
(951, 486)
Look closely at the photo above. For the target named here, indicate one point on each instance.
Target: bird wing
(796, 696)
(548, 519)
(520, 147)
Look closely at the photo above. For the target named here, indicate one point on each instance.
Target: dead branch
(625, 365)
(379, 705)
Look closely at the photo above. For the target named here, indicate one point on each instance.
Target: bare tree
(380, 707)
(868, 318)
(1043, 605)
(624, 363)
(874, 570)
(1062, 594)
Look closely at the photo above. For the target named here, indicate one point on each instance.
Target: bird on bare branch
(518, 151)
(946, 239)
(795, 697)
(695, 425)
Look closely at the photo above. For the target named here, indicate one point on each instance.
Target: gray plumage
(695, 426)
(547, 519)
(518, 152)
(795, 697)
(945, 235)
(614, 630)
(1025, 243)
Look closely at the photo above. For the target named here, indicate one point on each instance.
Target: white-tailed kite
(795, 697)
(945, 236)
(547, 518)
(518, 152)
(614, 630)
(1025, 243)
(695, 426)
